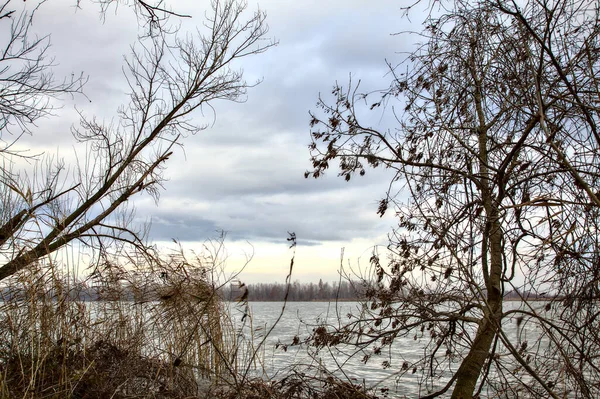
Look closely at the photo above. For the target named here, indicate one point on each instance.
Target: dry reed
(122, 332)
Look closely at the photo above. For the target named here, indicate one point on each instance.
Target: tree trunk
(470, 369)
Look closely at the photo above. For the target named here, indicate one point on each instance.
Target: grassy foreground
(160, 334)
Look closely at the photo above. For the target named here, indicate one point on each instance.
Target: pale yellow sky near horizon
(270, 262)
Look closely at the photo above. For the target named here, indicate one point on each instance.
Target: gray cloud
(315, 214)
(244, 173)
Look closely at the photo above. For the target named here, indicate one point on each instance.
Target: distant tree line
(347, 290)
(321, 291)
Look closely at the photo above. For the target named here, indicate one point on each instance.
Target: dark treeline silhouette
(321, 291)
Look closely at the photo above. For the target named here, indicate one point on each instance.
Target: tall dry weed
(127, 330)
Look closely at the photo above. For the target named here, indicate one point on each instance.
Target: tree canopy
(170, 79)
(496, 148)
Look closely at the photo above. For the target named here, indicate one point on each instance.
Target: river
(299, 318)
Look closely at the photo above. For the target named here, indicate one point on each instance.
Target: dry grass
(150, 334)
(298, 385)
(154, 330)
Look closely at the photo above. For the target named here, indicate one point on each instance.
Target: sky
(244, 174)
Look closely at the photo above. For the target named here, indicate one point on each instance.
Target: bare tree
(497, 149)
(27, 84)
(169, 77)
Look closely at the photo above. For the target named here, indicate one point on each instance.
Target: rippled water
(298, 320)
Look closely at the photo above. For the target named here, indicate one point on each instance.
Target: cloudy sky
(244, 174)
